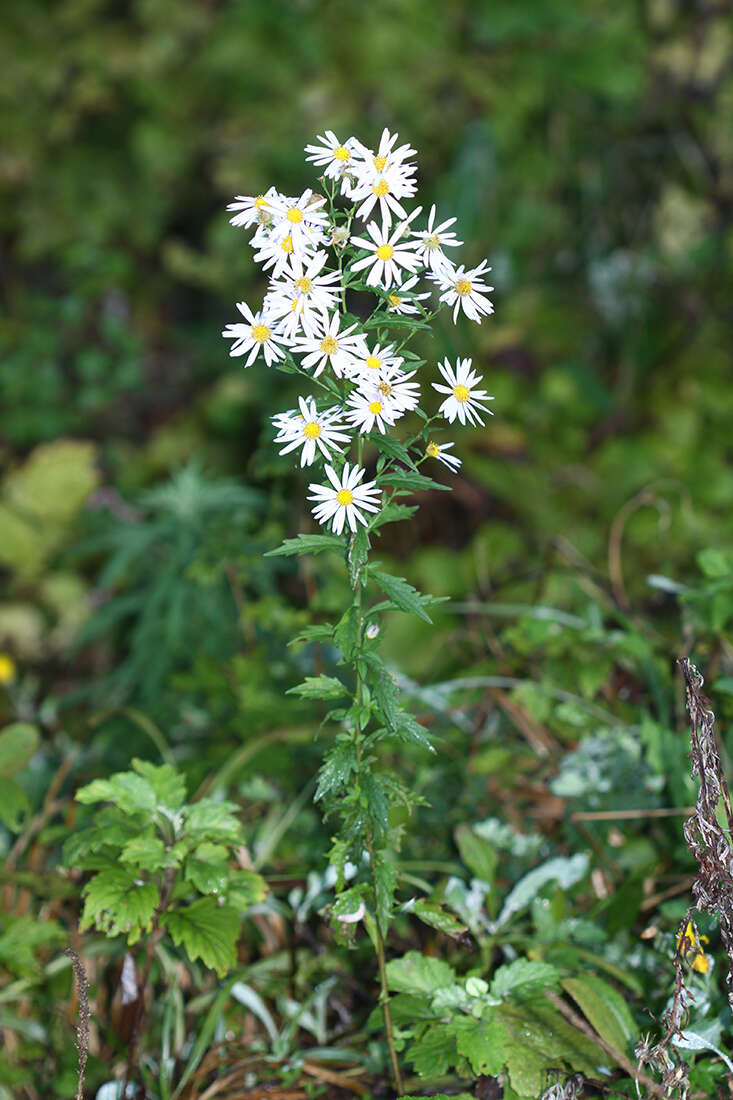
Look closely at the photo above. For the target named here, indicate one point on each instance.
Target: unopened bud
(372, 630)
(339, 236)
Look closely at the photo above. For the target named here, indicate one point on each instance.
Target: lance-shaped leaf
(307, 544)
(318, 687)
(402, 594)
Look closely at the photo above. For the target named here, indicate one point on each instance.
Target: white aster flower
(272, 252)
(301, 219)
(368, 408)
(387, 253)
(403, 302)
(302, 293)
(329, 345)
(310, 429)
(466, 290)
(374, 360)
(433, 240)
(257, 334)
(252, 209)
(369, 164)
(344, 500)
(333, 156)
(440, 451)
(396, 392)
(464, 400)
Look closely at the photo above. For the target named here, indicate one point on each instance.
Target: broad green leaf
(307, 544)
(169, 786)
(147, 852)
(408, 480)
(564, 871)
(207, 868)
(605, 1008)
(437, 917)
(116, 902)
(18, 745)
(129, 791)
(55, 481)
(207, 931)
(244, 889)
(538, 1039)
(14, 804)
(401, 593)
(483, 1044)
(213, 820)
(21, 940)
(434, 1053)
(524, 978)
(318, 687)
(418, 973)
(479, 856)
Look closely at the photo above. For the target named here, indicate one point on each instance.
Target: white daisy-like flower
(404, 301)
(303, 293)
(440, 451)
(465, 289)
(272, 252)
(310, 429)
(252, 209)
(344, 500)
(328, 345)
(258, 334)
(433, 240)
(302, 220)
(464, 400)
(370, 165)
(373, 361)
(388, 254)
(333, 156)
(368, 408)
(396, 392)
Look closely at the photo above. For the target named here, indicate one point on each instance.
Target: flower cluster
(367, 378)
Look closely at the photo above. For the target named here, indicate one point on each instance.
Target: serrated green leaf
(212, 820)
(307, 544)
(391, 447)
(318, 687)
(169, 786)
(375, 802)
(419, 974)
(319, 632)
(483, 1044)
(401, 593)
(18, 744)
(385, 883)
(244, 889)
(435, 1052)
(391, 513)
(347, 633)
(116, 902)
(524, 978)
(207, 931)
(336, 770)
(436, 917)
(128, 791)
(147, 852)
(207, 868)
(479, 856)
(14, 804)
(605, 1008)
(539, 1039)
(409, 730)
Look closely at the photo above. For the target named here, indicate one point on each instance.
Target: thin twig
(82, 1028)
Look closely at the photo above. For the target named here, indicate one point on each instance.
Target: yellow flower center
(312, 430)
(385, 252)
(329, 345)
(260, 333)
(379, 163)
(260, 201)
(381, 189)
(373, 363)
(432, 450)
(385, 388)
(294, 215)
(463, 287)
(394, 300)
(432, 243)
(7, 669)
(303, 284)
(287, 245)
(461, 393)
(341, 153)
(344, 497)
(375, 407)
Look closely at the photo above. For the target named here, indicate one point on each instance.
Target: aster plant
(361, 426)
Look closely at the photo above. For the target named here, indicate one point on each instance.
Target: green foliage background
(584, 145)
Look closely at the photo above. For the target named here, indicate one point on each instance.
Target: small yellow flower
(7, 669)
(693, 951)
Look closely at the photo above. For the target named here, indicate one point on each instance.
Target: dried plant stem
(82, 1029)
